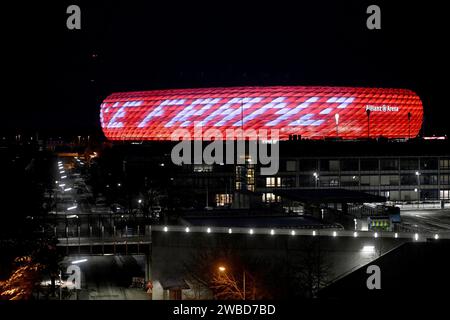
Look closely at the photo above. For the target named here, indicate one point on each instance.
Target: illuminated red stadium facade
(311, 112)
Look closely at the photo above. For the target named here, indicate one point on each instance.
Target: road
(427, 220)
(109, 277)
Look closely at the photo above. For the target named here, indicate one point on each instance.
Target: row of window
(366, 164)
(354, 181)
(396, 195)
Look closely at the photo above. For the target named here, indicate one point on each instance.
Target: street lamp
(418, 188)
(316, 178)
(222, 269)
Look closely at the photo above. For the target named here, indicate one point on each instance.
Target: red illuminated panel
(292, 110)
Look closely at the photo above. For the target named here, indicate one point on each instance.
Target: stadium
(306, 112)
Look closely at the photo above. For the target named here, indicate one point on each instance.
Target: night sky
(57, 78)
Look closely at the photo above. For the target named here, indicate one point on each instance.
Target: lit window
(223, 199)
(269, 197)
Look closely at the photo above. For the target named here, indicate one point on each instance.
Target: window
(269, 197)
(370, 180)
(389, 164)
(349, 181)
(409, 164)
(444, 194)
(223, 199)
(306, 180)
(349, 165)
(445, 179)
(329, 165)
(428, 164)
(203, 168)
(427, 179)
(272, 182)
(369, 164)
(329, 181)
(291, 165)
(288, 182)
(389, 180)
(308, 165)
(444, 163)
(408, 179)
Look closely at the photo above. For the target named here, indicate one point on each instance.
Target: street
(427, 220)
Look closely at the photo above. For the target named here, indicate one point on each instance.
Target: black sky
(56, 82)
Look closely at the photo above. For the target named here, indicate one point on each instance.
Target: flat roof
(256, 221)
(328, 195)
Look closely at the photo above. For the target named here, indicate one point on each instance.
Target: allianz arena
(309, 112)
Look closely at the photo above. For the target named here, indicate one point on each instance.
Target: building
(357, 139)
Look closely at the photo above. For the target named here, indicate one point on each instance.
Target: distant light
(119, 184)
(314, 232)
(187, 229)
(79, 261)
(140, 201)
(68, 189)
(396, 235)
(63, 177)
(161, 164)
(415, 190)
(71, 216)
(416, 236)
(334, 233)
(368, 249)
(250, 231)
(62, 171)
(229, 230)
(62, 185)
(436, 236)
(417, 173)
(222, 269)
(72, 208)
(208, 230)
(375, 234)
(355, 234)
(272, 232)
(166, 229)
(293, 232)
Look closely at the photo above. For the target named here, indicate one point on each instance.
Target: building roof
(328, 196)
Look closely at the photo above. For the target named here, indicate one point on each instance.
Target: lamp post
(316, 178)
(222, 269)
(418, 188)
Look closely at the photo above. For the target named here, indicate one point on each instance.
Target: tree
(21, 283)
(228, 283)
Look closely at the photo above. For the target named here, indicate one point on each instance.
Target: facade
(275, 113)
(398, 178)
